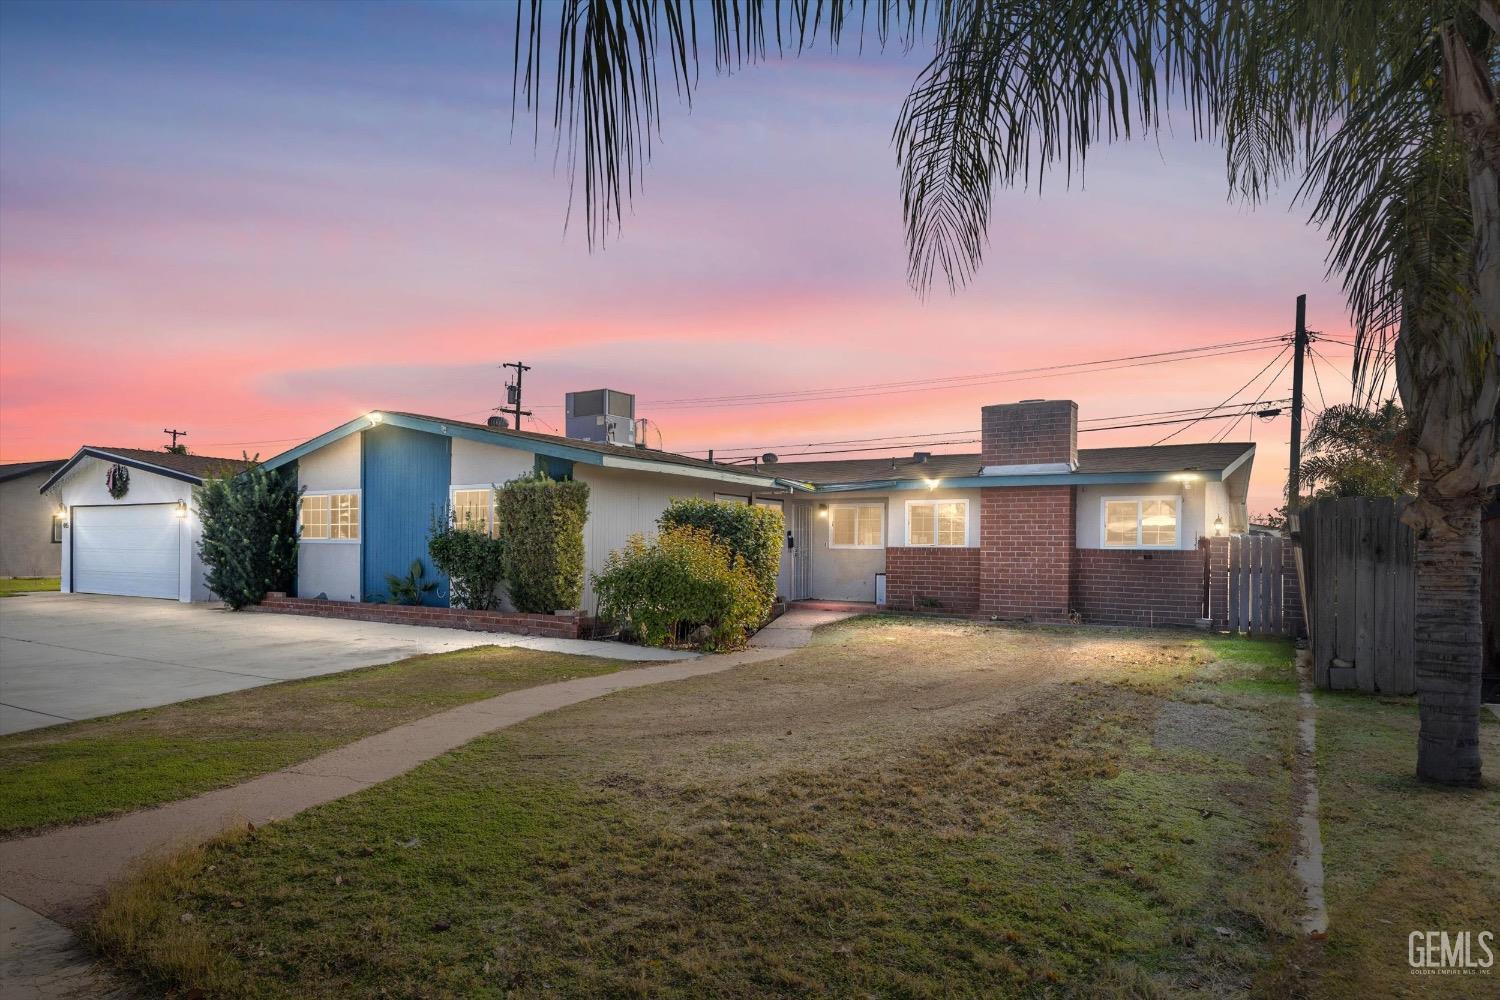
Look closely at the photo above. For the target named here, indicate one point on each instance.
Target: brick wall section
(1036, 433)
(915, 576)
(1026, 552)
(1145, 589)
(565, 626)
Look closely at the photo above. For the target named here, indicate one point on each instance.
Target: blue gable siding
(405, 478)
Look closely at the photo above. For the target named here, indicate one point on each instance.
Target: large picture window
(1141, 522)
(474, 508)
(330, 517)
(856, 526)
(937, 522)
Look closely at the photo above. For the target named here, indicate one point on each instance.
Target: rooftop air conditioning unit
(605, 416)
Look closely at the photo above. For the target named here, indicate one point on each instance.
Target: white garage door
(130, 550)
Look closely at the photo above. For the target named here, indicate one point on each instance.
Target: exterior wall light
(60, 515)
(822, 510)
(375, 417)
(181, 511)
(932, 484)
(1218, 525)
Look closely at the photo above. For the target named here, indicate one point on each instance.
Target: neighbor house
(126, 523)
(1031, 527)
(372, 487)
(30, 536)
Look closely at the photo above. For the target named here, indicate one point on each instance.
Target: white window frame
(876, 506)
(359, 494)
(731, 498)
(489, 488)
(1104, 502)
(933, 502)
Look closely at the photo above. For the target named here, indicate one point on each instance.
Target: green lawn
(85, 770)
(11, 586)
(905, 808)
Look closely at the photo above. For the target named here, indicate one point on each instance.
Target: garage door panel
(131, 551)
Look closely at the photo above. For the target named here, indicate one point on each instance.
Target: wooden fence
(1256, 586)
(1361, 582)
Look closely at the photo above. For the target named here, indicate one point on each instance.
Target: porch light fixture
(1218, 525)
(822, 510)
(61, 515)
(375, 416)
(932, 484)
(181, 509)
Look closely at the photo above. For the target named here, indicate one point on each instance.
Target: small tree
(541, 522)
(683, 588)
(472, 560)
(249, 541)
(1352, 451)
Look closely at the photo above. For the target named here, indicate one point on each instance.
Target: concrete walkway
(56, 878)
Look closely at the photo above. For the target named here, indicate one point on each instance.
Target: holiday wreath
(117, 480)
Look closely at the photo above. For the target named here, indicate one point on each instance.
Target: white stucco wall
(623, 502)
(84, 486)
(326, 566)
(478, 464)
(1090, 508)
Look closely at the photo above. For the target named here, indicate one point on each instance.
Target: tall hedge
(541, 522)
(249, 540)
(750, 531)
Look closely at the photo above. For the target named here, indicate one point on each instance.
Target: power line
(1230, 429)
(747, 453)
(992, 378)
(1227, 399)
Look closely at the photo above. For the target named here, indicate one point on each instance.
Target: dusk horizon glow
(256, 222)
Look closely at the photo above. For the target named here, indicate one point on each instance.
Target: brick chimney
(1034, 435)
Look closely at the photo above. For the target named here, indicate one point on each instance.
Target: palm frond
(1020, 90)
(610, 58)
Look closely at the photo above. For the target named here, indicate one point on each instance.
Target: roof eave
(134, 463)
(1050, 479)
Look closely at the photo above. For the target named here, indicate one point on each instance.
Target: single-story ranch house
(1031, 527)
(126, 521)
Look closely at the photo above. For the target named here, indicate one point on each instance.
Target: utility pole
(175, 435)
(1299, 348)
(513, 391)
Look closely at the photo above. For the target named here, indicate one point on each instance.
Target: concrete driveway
(76, 656)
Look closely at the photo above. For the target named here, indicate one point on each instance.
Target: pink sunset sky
(255, 222)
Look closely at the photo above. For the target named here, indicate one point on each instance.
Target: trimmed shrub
(751, 532)
(249, 541)
(471, 559)
(541, 522)
(684, 588)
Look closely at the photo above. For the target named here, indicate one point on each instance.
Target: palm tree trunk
(1448, 652)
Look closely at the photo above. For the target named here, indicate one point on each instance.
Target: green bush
(541, 523)
(249, 540)
(752, 532)
(472, 560)
(685, 588)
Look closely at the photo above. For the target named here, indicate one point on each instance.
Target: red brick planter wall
(564, 626)
(1139, 588)
(916, 575)
(1026, 549)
